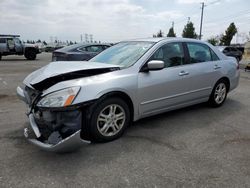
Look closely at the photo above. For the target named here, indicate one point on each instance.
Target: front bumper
(33, 134)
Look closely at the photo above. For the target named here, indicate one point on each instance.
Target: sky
(117, 20)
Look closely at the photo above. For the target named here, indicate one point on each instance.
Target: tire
(105, 125)
(0, 57)
(219, 93)
(30, 55)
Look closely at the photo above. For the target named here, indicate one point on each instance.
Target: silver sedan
(70, 103)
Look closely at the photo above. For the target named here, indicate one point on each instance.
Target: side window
(2, 40)
(234, 50)
(214, 56)
(11, 43)
(199, 53)
(94, 48)
(81, 49)
(105, 47)
(17, 41)
(172, 54)
(226, 50)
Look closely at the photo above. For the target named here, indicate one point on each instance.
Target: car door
(11, 44)
(162, 89)
(203, 67)
(18, 45)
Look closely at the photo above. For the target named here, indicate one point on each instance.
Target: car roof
(162, 39)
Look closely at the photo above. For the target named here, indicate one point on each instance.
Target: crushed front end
(53, 126)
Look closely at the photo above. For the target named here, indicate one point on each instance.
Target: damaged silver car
(71, 103)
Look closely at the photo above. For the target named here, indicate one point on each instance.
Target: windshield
(124, 54)
(71, 47)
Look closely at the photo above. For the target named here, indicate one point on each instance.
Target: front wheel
(30, 55)
(219, 94)
(109, 119)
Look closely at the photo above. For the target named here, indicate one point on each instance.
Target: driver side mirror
(155, 65)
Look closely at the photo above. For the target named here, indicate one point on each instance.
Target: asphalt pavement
(196, 146)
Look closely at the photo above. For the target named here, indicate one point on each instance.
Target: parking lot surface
(197, 146)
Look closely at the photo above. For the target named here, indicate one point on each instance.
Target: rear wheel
(30, 55)
(109, 119)
(219, 93)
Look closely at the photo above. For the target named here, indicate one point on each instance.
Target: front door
(166, 88)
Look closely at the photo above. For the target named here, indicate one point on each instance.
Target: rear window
(199, 52)
(214, 56)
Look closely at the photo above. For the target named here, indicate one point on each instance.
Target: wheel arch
(227, 80)
(27, 49)
(124, 96)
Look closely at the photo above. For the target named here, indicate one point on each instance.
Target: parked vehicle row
(12, 45)
(95, 101)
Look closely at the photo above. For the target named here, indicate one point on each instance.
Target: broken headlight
(61, 98)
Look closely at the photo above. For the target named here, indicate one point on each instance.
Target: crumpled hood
(59, 71)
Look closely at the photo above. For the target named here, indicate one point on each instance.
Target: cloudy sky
(115, 20)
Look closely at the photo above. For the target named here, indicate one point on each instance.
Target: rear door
(203, 67)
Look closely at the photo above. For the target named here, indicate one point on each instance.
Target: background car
(78, 52)
(231, 51)
(12, 45)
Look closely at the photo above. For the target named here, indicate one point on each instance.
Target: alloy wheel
(111, 120)
(220, 93)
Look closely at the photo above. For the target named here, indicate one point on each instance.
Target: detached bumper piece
(55, 135)
(55, 131)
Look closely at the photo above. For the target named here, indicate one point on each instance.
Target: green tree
(229, 34)
(214, 40)
(159, 34)
(189, 31)
(171, 32)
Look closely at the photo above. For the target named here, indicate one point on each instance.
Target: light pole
(202, 10)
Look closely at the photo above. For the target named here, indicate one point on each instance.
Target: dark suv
(231, 51)
(12, 45)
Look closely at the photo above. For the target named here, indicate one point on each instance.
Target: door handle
(183, 73)
(216, 67)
